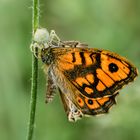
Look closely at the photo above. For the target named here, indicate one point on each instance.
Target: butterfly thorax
(47, 56)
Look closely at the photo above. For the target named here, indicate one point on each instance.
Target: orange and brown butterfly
(88, 79)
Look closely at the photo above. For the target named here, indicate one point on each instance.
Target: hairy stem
(35, 25)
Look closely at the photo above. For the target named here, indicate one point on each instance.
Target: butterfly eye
(113, 67)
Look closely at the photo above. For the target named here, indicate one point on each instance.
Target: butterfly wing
(98, 106)
(95, 73)
(75, 103)
(87, 106)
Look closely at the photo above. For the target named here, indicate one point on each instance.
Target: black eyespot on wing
(113, 67)
(90, 102)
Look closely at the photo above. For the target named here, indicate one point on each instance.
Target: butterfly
(87, 79)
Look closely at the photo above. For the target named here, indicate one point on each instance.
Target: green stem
(35, 25)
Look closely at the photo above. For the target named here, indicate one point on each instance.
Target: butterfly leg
(71, 110)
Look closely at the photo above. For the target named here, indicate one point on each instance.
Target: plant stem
(35, 25)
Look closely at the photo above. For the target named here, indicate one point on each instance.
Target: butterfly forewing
(95, 73)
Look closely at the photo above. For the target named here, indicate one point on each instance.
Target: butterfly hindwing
(86, 106)
(99, 106)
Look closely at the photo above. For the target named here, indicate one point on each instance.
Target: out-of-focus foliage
(106, 24)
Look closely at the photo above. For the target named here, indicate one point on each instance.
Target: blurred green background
(108, 24)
